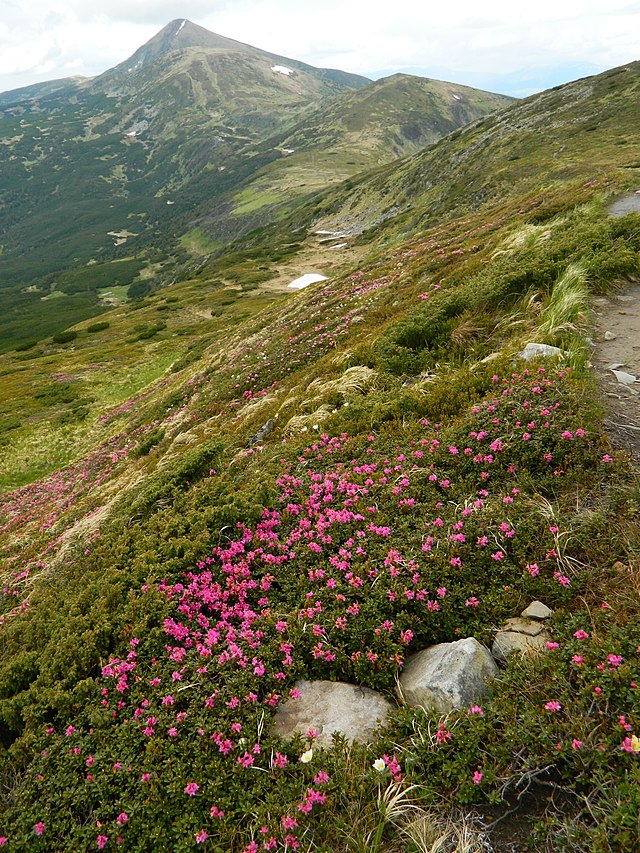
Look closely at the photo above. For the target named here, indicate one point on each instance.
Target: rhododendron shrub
(374, 546)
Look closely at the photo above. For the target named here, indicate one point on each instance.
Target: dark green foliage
(99, 276)
(150, 331)
(64, 337)
(27, 345)
(140, 289)
(98, 327)
(151, 439)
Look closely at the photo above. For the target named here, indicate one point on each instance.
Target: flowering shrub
(420, 515)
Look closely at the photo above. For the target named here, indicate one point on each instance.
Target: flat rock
(508, 642)
(332, 706)
(447, 676)
(518, 625)
(537, 610)
(533, 350)
(623, 377)
(610, 336)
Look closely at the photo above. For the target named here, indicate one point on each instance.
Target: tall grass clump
(567, 310)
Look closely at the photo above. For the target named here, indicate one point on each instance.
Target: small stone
(523, 626)
(537, 610)
(620, 568)
(447, 676)
(623, 377)
(508, 642)
(332, 706)
(610, 336)
(534, 350)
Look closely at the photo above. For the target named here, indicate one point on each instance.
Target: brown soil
(618, 318)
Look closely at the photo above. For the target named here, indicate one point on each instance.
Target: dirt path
(617, 347)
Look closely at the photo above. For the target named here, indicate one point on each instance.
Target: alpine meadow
(319, 442)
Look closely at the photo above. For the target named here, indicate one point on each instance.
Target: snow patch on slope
(306, 280)
(282, 69)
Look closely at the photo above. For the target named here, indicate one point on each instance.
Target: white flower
(379, 765)
(306, 757)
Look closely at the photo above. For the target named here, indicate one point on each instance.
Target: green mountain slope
(114, 154)
(174, 142)
(262, 486)
(389, 119)
(572, 131)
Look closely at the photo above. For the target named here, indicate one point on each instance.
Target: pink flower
(201, 837)
(191, 788)
(553, 706)
(477, 777)
(577, 659)
(39, 828)
(122, 818)
(576, 744)
(580, 634)
(279, 760)
(101, 841)
(475, 709)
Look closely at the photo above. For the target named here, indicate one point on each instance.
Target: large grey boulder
(332, 706)
(447, 676)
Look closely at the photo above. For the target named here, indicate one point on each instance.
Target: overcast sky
(499, 45)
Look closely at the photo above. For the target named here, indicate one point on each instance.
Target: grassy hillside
(261, 486)
(189, 135)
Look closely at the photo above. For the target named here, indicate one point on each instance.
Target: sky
(500, 45)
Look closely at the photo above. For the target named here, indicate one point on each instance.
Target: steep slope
(389, 119)
(182, 35)
(111, 161)
(570, 132)
(184, 146)
(316, 486)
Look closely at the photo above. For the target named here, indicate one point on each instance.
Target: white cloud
(40, 39)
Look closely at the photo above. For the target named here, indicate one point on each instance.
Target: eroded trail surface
(616, 358)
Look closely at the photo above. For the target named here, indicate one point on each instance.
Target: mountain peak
(183, 33)
(179, 34)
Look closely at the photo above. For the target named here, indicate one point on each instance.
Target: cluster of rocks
(444, 676)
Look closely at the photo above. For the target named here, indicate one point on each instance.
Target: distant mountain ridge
(193, 133)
